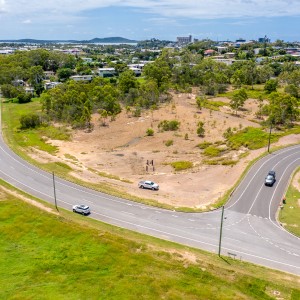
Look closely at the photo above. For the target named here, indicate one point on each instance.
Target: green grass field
(67, 256)
(20, 139)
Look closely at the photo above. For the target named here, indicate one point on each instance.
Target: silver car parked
(147, 184)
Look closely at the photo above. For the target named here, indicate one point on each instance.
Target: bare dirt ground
(122, 149)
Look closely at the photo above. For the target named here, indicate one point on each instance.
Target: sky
(219, 20)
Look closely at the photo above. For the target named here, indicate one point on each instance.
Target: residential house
(48, 74)
(18, 82)
(229, 54)
(209, 52)
(227, 61)
(106, 72)
(137, 71)
(51, 85)
(6, 51)
(222, 49)
(87, 60)
(82, 77)
(29, 90)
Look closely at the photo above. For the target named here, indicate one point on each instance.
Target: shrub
(24, 98)
(165, 125)
(200, 129)
(137, 112)
(169, 143)
(228, 133)
(56, 133)
(271, 86)
(220, 161)
(212, 151)
(150, 132)
(252, 138)
(213, 105)
(204, 145)
(200, 101)
(228, 162)
(181, 165)
(30, 121)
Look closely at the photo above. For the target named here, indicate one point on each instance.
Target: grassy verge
(289, 215)
(72, 257)
(21, 139)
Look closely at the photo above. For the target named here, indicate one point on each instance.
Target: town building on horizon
(182, 40)
(265, 39)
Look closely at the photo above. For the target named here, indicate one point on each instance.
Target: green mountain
(112, 40)
(108, 40)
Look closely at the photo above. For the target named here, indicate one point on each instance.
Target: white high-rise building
(184, 39)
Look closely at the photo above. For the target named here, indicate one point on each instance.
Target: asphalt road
(250, 231)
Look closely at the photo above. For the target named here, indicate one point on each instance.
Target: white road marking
(84, 200)
(127, 213)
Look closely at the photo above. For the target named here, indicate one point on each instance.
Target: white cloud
(163, 21)
(204, 9)
(2, 6)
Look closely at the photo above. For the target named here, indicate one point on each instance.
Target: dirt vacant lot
(122, 149)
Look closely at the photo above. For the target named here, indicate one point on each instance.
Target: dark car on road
(270, 179)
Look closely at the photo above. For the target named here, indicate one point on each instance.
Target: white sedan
(147, 184)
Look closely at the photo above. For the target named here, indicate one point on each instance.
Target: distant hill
(112, 40)
(108, 40)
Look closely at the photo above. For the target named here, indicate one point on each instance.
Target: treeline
(26, 65)
(74, 102)
(214, 77)
(29, 67)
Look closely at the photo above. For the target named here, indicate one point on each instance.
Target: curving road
(250, 230)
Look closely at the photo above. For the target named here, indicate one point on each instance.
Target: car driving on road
(82, 209)
(270, 179)
(147, 184)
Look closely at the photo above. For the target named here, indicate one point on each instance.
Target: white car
(82, 209)
(147, 184)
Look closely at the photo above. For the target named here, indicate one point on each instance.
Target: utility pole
(269, 137)
(54, 191)
(221, 228)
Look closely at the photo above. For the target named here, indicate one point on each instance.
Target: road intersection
(250, 230)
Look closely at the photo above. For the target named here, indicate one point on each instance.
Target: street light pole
(54, 191)
(221, 229)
